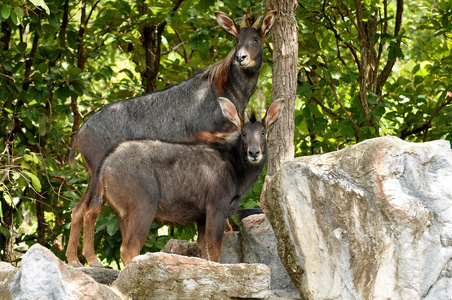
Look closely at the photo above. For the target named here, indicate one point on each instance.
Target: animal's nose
(241, 56)
(254, 152)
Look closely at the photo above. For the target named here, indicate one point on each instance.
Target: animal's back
(172, 114)
(179, 177)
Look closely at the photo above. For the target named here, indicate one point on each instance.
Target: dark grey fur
(200, 181)
(172, 114)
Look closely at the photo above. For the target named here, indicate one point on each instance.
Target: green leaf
(42, 4)
(4, 231)
(53, 21)
(371, 100)
(375, 38)
(34, 181)
(14, 18)
(301, 90)
(6, 10)
(112, 227)
(8, 198)
(326, 40)
(416, 69)
(19, 12)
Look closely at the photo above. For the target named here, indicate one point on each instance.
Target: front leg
(202, 241)
(214, 232)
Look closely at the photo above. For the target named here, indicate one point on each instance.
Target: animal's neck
(240, 86)
(244, 79)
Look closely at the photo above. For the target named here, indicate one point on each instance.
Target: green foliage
(59, 64)
(63, 60)
(411, 103)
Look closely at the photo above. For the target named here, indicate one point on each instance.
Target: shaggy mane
(217, 137)
(218, 73)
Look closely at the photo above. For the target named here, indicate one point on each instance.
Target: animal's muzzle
(254, 154)
(242, 58)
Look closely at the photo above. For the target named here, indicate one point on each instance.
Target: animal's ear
(229, 111)
(256, 23)
(268, 22)
(226, 23)
(273, 113)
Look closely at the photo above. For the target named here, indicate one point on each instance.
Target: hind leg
(135, 233)
(90, 217)
(76, 228)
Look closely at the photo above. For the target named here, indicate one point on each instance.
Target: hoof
(76, 264)
(96, 264)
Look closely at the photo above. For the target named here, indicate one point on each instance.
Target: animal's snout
(241, 57)
(254, 152)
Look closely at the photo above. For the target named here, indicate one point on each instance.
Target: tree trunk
(7, 222)
(41, 231)
(284, 86)
(151, 39)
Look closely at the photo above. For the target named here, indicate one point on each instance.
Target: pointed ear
(268, 22)
(243, 25)
(230, 112)
(226, 23)
(257, 22)
(273, 113)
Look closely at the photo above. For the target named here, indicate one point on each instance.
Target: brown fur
(218, 73)
(217, 137)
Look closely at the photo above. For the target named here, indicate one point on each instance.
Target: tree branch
(347, 113)
(428, 124)
(381, 79)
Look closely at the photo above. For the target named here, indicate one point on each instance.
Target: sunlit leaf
(6, 9)
(34, 181)
(42, 4)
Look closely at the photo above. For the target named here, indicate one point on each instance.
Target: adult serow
(200, 180)
(173, 114)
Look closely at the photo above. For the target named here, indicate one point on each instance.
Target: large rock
(170, 276)
(101, 275)
(43, 276)
(7, 273)
(181, 247)
(256, 243)
(151, 276)
(372, 221)
(259, 246)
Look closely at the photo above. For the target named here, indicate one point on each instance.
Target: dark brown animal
(173, 114)
(200, 180)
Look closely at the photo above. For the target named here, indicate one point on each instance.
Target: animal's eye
(243, 133)
(237, 41)
(256, 40)
(263, 132)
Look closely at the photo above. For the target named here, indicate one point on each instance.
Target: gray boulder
(372, 221)
(7, 273)
(171, 276)
(151, 276)
(43, 276)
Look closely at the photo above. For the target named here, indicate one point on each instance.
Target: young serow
(200, 180)
(172, 114)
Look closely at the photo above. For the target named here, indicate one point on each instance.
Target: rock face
(43, 276)
(256, 243)
(151, 276)
(170, 276)
(181, 247)
(259, 242)
(372, 221)
(7, 273)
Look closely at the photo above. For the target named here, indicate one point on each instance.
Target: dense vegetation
(366, 69)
